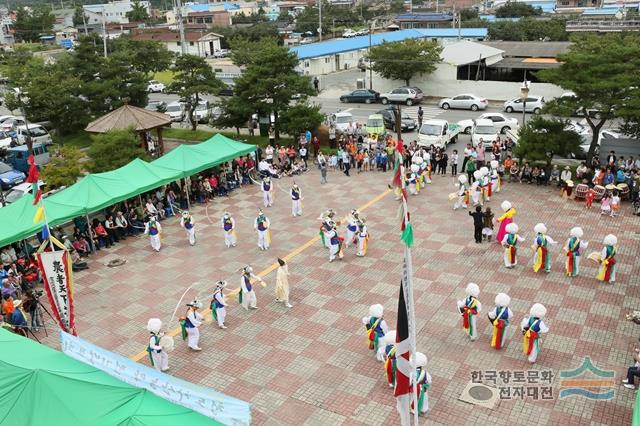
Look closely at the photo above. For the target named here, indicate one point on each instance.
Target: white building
(113, 12)
(197, 43)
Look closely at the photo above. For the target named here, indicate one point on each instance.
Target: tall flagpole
(410, 305)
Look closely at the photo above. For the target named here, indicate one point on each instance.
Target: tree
(138, 12)
(79, 17)
(468, 14)
(193, 77)
(145, 56)
(540, 139)
(270, 82)
(301, 117)
(64, 167)
(525, 29)
(30, 23)
(602, 72)
(114, 149)
(405, 59)
(396, 6)
(517, 10)
(235, 113)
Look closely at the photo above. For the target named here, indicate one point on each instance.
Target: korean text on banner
(58, 282)
(225, 409)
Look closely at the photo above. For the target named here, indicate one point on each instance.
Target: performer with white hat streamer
(229, 226)
(509, 243)
(532, 327)
(607, 271)
(423, 380)
(469, 308)
(296, 200)
(247, 295)
(267, 191)
(262, 225)
(219, 305)
(190, 325)
(187, 223)
(541, 256)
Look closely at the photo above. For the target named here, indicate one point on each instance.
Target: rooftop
(340, 45)
(167, 35)
(529, 49)
(423, 17)
(466, 52)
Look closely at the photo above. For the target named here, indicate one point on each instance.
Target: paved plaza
(309, 365)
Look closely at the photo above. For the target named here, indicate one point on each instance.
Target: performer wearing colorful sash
(412, 179)
(153, 229)
(157, 355)
(504, 220)
(509, 242)
(229, 227)
(376, 326)
(423, 381)
(607, 271)
(218, 304)
(325, 227)
(389, 357)
(190, 325)
(296, 200)
(541, 256)
(419, 171)
(352, 227)
(573, 248)
(532, 327)
(496, 182)
(262, 225)
(363, 237)
(485, 185)
(463, 193)
(247, 295)
(469, 308)
(499, 318)
(282, 283)
(187, 223)
(335, 242)
(267, 191)
(476, 188)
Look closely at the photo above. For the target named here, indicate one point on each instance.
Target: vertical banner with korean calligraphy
(58, 283)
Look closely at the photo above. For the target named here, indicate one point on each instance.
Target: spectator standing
(315, 143)
(454, 163)
(420, 117)
(303, 154)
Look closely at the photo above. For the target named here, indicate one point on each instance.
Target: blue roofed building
(340, 54)
(423, 20)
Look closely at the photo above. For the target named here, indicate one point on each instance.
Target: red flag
(33, 178)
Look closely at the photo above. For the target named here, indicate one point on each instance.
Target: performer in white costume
(190, 324)
(267, 191)
(187, 223)
(157, 353)
(219, 305)
(296, 200)
(532, 327)
(262, 225)
(229, 227)
(153, 228)
(469, 308)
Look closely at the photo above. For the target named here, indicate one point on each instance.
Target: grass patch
(187, 134)
(79, 140)
(164, 77)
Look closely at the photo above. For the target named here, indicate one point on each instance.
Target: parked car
(361, 95)
(6, 140)
(154, 86)
(404, 95)
(156, 106)
(483, 131)
(364, 63)
(17, 156)
(375, 125)
(175, 110)
(534, 104)
(438, 133)
(362, 32)
(342, 121)
(407, 123)
(10, 122)
(222, 53)
(501, 122)
(202, 113)
(10, 177)
(227, 90)
(37, 132)
(464, 101)
(349, 33)
(19, 191)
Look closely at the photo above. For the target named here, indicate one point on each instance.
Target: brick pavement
(309, 365)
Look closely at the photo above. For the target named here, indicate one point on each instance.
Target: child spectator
(589, 197)
(454, 162)
(555, 175)
(615, 204)
(605, 204)
(487, 230)
(478, 221)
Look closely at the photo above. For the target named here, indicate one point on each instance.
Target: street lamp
(524, 91)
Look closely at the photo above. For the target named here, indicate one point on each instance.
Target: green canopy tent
(41, 386)
(220, 148)
(143, 176)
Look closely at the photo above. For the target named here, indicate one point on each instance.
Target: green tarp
(41, 386)
(100, 190)
(636, 411)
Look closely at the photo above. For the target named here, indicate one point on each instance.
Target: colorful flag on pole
(58, 282)
(37, 218)
(397, 165)
(402, 390)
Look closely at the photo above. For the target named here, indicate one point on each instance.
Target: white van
(343, 120)
(38, 134)
(485, 130)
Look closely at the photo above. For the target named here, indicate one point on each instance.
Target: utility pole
(370, 70)
(398, 113)
(183, 41)
(104, 32)
(320, 19)
(84, 23)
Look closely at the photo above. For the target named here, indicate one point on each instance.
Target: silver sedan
(464, 101)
